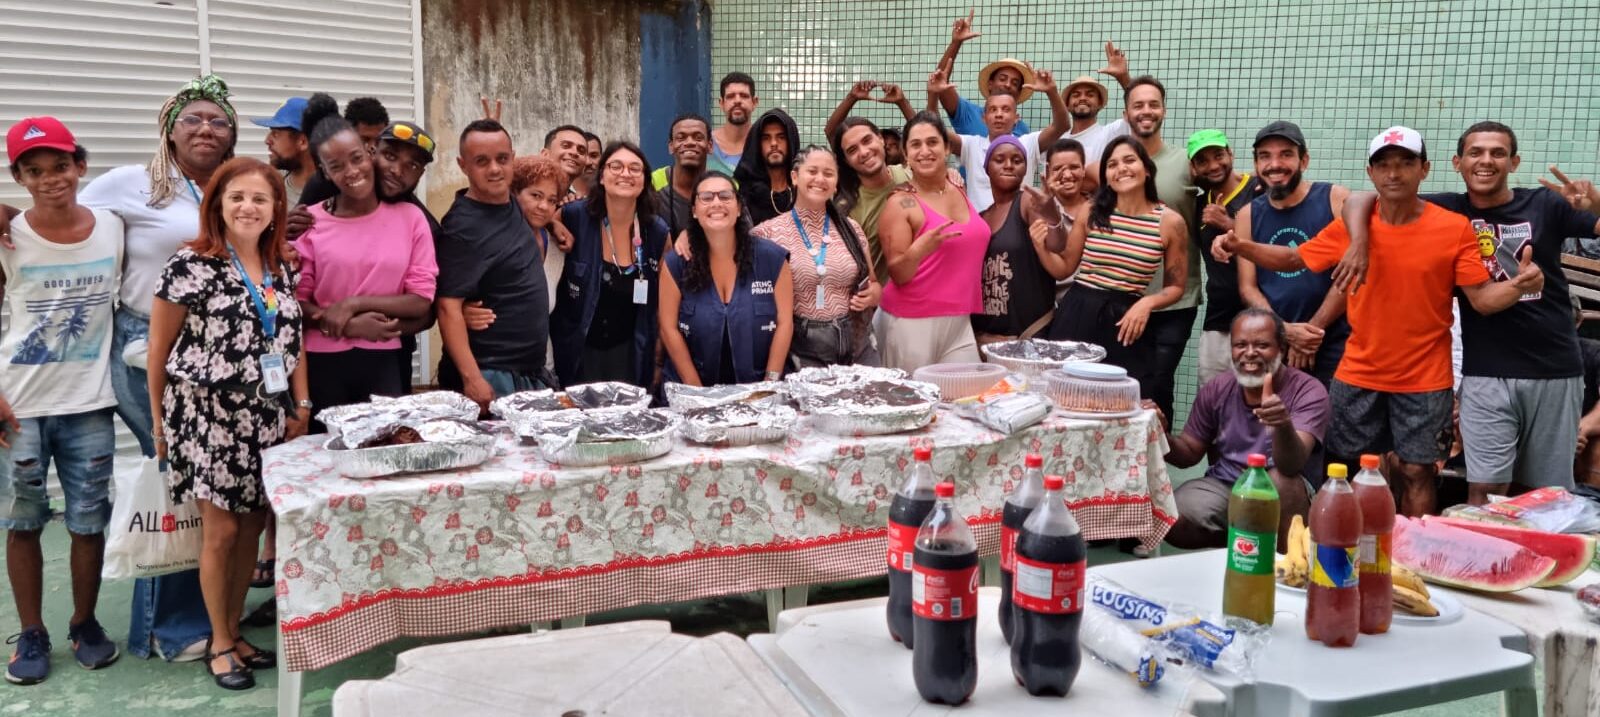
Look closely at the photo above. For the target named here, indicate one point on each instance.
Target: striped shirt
(1127, 256)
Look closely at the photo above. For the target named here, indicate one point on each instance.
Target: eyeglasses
(721, 195)
(193, 122)
(624, 169)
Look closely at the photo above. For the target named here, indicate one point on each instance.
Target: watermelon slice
(1572, 553)
(1450, 555)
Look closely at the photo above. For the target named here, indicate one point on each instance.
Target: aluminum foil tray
(605, 395)
(738, 424)
(1033, 356)
(861, 410)
(819, 380)
(683, 397)
(461, 449)
(409, 408)
(577, 438)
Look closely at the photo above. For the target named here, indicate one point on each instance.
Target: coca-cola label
(944, 594)
(902, 545)
(1049, 588)
(1008, 548)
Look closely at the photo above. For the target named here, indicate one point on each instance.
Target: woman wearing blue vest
(727, 313)
(603, 327)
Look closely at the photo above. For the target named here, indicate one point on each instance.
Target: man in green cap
(1225, 192)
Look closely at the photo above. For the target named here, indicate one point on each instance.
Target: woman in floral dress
(227, 379)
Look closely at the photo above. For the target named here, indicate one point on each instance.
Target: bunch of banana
(1410, 594)
(1294, 568)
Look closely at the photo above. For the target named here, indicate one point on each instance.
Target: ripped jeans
(81, 446)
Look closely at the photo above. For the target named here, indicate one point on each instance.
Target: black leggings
(353, 376)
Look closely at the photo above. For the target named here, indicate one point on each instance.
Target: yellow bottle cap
(1338, 470)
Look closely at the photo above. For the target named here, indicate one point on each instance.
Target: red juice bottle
(1333, 599)
(1377, 528)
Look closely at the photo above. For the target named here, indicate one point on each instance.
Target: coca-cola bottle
(906, 514)
(1019, 505)
(944, 604)
(1049, 578)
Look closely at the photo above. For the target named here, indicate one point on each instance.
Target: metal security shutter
(269, 51)
(102, 66)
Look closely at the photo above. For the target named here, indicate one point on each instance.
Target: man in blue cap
(288, 147)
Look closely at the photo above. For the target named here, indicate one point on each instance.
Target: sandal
(264, 576)
(237, 677)
(258, 659)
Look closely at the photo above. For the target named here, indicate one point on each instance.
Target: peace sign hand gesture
(1581, 194)
(939, 82)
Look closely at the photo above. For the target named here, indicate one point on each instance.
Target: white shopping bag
(150, 536)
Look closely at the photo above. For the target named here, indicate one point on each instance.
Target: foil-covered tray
(873, 407)
(362, 422)
(683, 397)
(738, 424)
(580, 438)
(1032, 356)
(432, 445)
(588, 397)
(822, 380)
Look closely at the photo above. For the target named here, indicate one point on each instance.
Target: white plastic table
(631, 668)
(1565, 641)
(1410, 666)
(839, 660)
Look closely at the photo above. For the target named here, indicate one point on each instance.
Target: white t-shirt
(55, 355)
(151, 235)
(1095, 139)
(973, 148)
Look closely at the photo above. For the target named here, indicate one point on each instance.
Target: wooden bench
(1583, 277)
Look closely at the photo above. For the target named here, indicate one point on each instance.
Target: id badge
(641, 291)
(274, 377)
(819, 298)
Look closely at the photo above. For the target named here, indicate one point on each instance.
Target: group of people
(217, 303)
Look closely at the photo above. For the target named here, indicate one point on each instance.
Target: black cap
(1284, 129)
(410, 133)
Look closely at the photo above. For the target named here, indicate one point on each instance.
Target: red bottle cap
(1033, 460)
(1370, 462)
(945, 490)
(1256, 460)
(923, 453)
(1054, 482)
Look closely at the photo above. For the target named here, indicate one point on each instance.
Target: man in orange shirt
(1393, 390)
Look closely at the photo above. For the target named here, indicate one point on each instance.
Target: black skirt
(1090, 314)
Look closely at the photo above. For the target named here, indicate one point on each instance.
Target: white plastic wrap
(1197, 637)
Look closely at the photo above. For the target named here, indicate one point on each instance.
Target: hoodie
(755, 188)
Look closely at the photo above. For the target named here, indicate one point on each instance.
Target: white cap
(1397, 136)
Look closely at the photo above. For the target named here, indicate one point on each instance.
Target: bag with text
(149, 535)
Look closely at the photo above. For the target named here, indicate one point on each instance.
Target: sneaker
(90, 646)
(30, 664)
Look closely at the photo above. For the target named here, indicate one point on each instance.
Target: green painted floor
(152, 688)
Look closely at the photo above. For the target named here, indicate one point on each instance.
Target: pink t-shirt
(386, 253)
(948, 282)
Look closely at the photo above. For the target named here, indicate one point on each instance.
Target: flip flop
(264, 576)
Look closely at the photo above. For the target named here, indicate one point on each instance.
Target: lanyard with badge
(641, 285)
(274, 375)
(819, 252)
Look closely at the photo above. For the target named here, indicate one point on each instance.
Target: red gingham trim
(320, 640)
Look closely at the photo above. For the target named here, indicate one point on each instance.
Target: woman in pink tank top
(933, 243)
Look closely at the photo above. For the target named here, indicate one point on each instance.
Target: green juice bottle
(1248, 589)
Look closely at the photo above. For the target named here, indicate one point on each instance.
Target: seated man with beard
(1263, 406)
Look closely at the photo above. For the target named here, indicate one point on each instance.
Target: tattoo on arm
(908, 203)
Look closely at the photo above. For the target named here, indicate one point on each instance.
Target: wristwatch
(303, 403)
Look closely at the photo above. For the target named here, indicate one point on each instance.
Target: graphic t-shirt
(1400, 320)
(55, 353)
(1534, 338)
(1222, 420)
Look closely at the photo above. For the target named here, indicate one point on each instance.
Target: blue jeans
(167, 610)
(506, 383)
(81, 445)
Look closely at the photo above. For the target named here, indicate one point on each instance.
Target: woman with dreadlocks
(160, 209)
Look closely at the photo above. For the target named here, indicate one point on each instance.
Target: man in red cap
(60, 281)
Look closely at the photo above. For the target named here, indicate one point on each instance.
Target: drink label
(1251, 553)
(1334, 566)
(1008, 548)
(902, 545)
(944, 594)
(1048, 588)
(1375, 553)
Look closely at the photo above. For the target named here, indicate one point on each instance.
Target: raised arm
(858, 91)
(1116, 65)
(1060, 119)
(960, 33)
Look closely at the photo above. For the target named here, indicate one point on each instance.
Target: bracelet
(773, 375)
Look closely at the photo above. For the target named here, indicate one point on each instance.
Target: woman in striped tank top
(1116, 253)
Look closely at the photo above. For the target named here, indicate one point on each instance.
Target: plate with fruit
(1414, 603)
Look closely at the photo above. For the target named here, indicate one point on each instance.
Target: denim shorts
(81, 445)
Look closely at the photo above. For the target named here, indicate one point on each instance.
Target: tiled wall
(1342, 69)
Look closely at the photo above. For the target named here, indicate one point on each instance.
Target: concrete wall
(551, 61)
